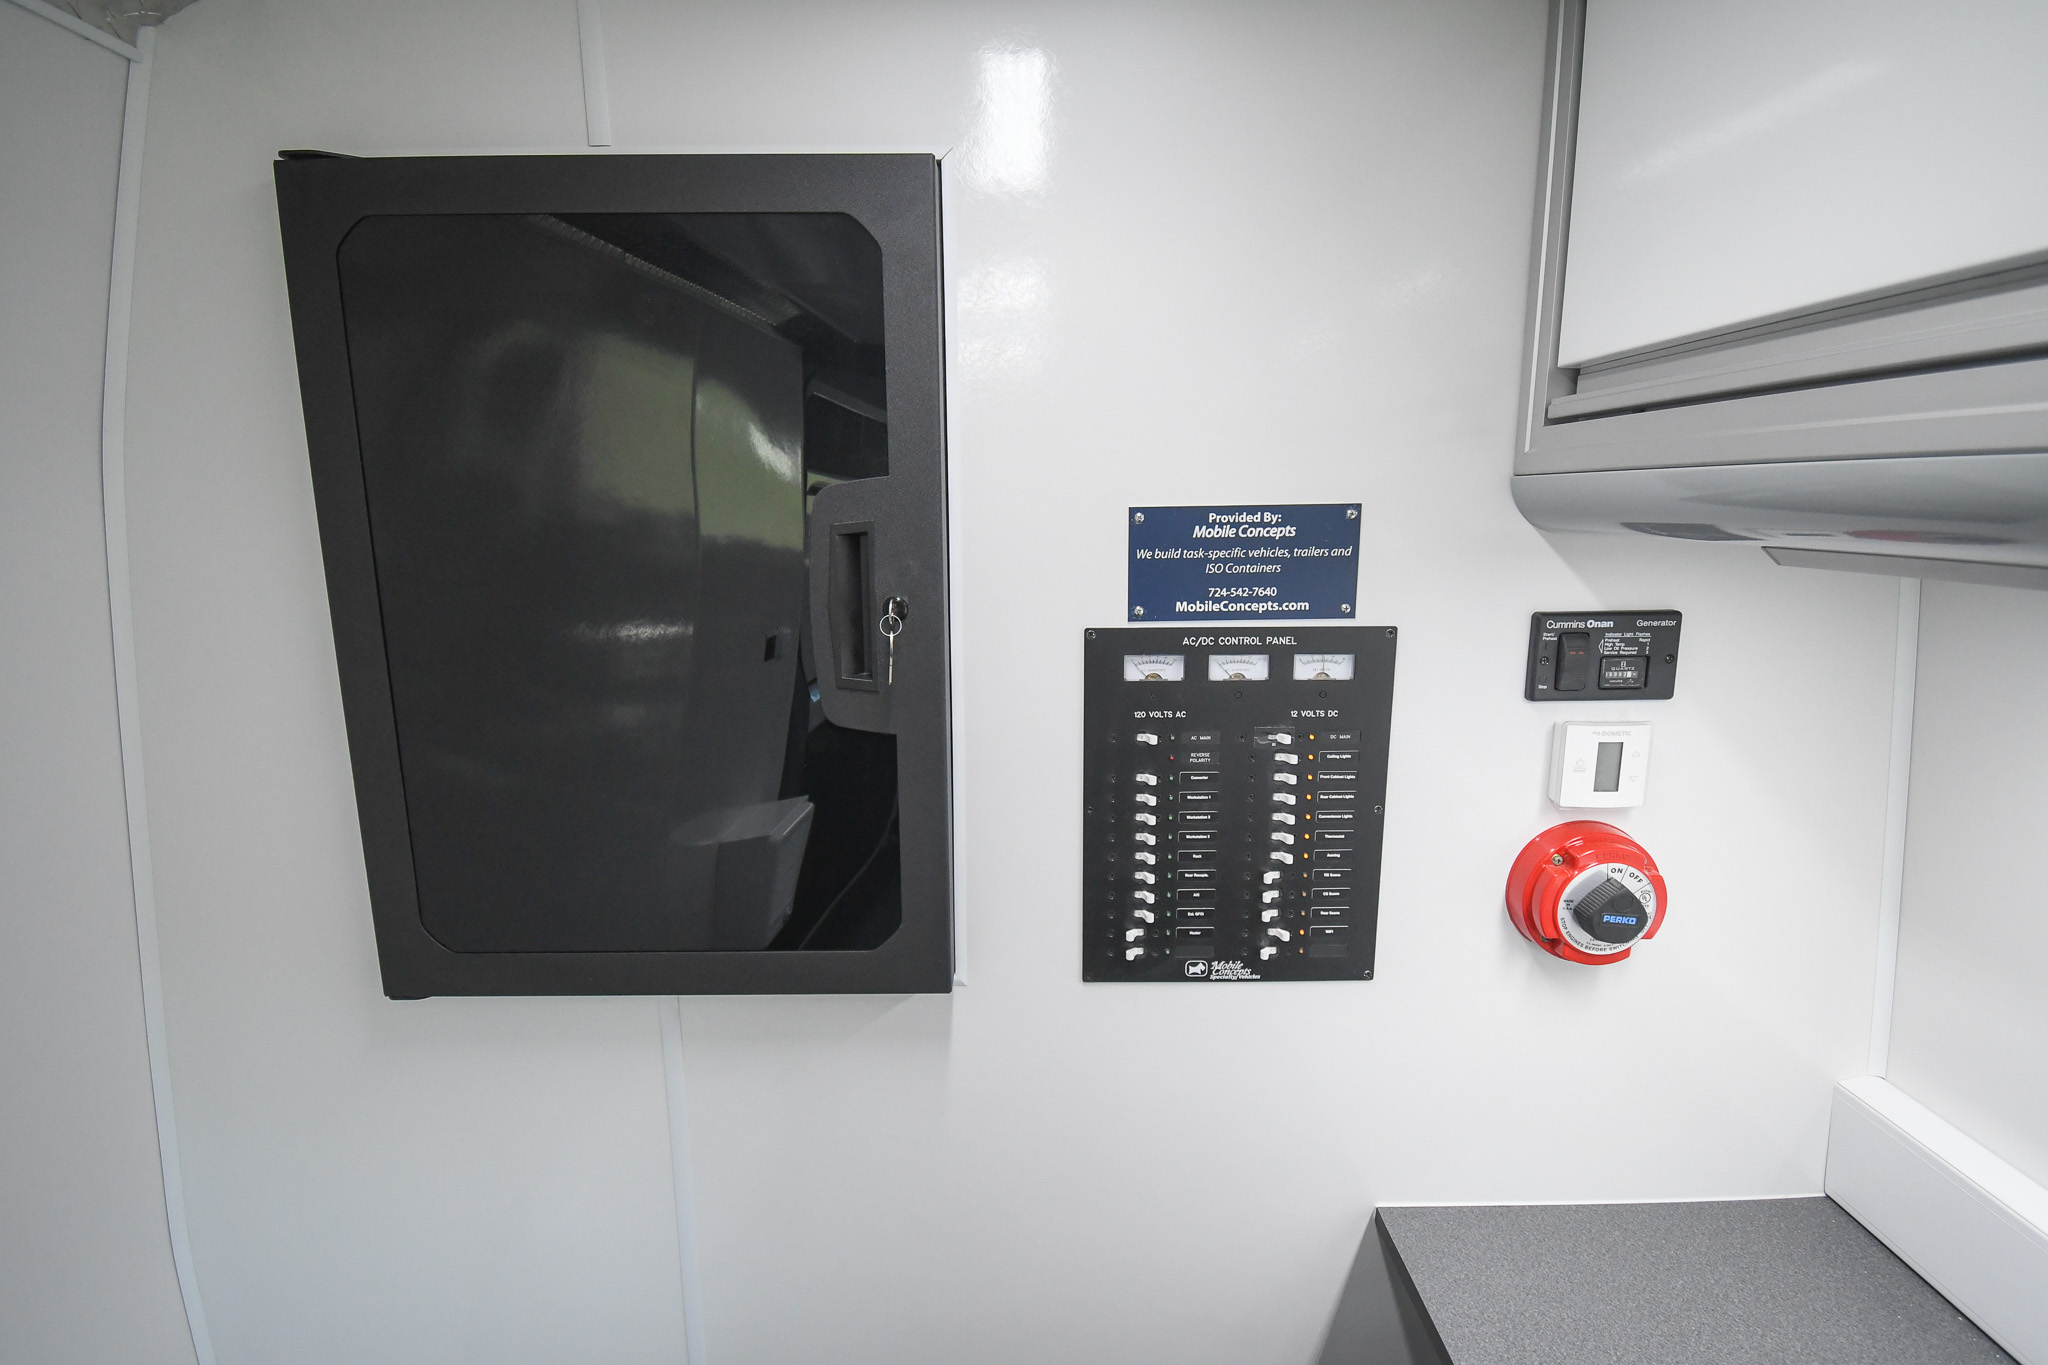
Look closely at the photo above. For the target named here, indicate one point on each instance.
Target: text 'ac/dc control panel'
(1235, 794)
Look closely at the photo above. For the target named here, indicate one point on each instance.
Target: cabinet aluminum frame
(1953, 367)
(896, 198)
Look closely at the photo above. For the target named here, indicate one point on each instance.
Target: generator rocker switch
(1599, 765)
(1574, 660)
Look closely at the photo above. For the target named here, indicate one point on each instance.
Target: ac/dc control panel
(1235, 792)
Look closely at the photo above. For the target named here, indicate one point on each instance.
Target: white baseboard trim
(1972, 1225)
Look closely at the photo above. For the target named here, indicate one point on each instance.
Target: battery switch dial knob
(1586, 892)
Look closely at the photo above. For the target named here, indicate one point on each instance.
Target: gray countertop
(1763, 1282)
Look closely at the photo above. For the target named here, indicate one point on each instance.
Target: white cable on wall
(114, 507)
(679, 1165)
(597, 101)
(1905, 675)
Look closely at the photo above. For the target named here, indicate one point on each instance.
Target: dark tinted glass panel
(588, 447)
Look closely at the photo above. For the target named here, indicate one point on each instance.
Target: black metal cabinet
(630, 477)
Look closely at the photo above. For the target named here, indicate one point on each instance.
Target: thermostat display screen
(1607, 768)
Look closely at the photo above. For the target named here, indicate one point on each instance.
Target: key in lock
(894, 611)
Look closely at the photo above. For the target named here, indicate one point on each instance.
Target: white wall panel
(1746, 157)
(1194, 253)
(85, 1258)
(1970, 1023)
(368, 1181)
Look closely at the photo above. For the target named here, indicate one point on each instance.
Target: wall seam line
(671, 1013)
(597, 100)
(1898, 785)
(121, 612)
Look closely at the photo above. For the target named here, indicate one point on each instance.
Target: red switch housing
(1586, 892)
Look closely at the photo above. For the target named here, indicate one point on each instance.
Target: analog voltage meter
(1238, 667)
(1155, 667)
(1335, 667)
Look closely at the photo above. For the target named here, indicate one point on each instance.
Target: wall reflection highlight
(1009, 146)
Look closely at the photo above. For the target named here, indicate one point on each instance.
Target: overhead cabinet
(1790, 282)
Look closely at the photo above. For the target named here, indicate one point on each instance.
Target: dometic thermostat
(1599, 764)
(1585, 892)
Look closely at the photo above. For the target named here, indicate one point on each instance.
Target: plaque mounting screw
(1137, 611)
(1351, 514)
(1347, 608)
(1139, 516)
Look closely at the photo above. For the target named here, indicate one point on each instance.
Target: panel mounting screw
(1557, 858)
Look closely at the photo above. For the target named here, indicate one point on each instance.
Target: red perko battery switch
(1586, 892)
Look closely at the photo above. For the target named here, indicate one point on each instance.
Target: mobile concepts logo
(1194, 966)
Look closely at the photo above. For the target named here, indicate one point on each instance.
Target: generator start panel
(1235, 793)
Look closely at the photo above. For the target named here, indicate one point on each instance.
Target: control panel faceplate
(1234, 797)
(1602, 656)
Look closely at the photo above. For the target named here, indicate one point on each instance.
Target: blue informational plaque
(1292, 562)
